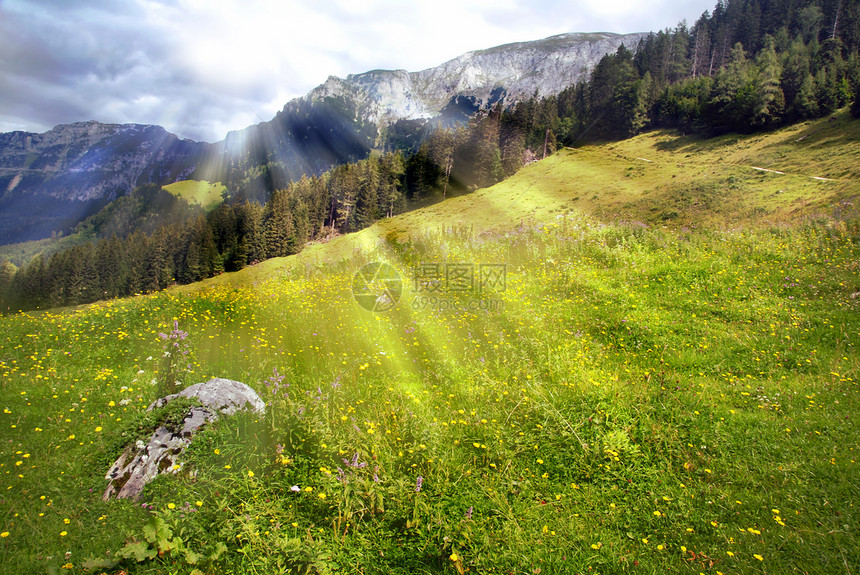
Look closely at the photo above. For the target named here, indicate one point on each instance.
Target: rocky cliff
(505, 73)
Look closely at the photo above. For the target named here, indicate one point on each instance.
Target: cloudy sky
(203, 67)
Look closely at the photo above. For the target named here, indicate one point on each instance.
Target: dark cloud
(98, 62)
(62, 65)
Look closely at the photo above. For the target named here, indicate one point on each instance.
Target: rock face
(505, 73)
(219, 396)
(141, 463)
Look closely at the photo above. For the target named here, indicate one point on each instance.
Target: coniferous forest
(747, 66)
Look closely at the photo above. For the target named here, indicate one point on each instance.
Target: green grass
(652, 395)
(199, 192)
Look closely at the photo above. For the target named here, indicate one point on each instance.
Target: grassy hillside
(647, 392)
(657, 179)
(200, 192)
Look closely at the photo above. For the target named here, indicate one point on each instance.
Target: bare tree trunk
(696, 53)
(836, 19)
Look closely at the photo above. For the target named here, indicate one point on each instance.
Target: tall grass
(645, 400)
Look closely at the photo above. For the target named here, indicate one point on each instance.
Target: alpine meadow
(609, 330)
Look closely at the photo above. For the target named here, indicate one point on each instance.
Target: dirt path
(819, 178)
(766, 170)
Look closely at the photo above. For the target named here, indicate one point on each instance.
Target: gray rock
(141, 463)
(223, 396)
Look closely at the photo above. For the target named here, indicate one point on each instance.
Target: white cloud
(203, 67)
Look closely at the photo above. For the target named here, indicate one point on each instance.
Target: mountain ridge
(521, 69)
(52, 180)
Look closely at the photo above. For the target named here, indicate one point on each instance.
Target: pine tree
(156, 265)
(250, 224)
(487, 155)
(733, 98)
(238, 257)
(110, 267)
(134, 254)
(192, 268)
(319, 203)
(222, 221)
(366, 207)
(7, 276)
(443, 144)
(770, 101)
(513, 149)
(84, 277)
(59, 281)
(680, 66)
(794, 74)
(421, 173)
(301, 224)
(393, 169)
(210, 260)
(748, 28)
(612, 84)
(278, 225)
(806, 101)
(810, 20)
(826, 90)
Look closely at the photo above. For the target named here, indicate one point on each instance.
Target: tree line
(747, 66)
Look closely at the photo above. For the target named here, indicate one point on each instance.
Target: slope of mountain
(657, 179)
(344, 119)
(50, 181)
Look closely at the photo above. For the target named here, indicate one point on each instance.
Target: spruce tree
(770, 101)
(392, 168)
(733, 98)
(278, 225)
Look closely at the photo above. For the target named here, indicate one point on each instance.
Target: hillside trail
(768, 170)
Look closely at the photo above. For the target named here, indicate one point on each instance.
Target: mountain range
(51, 181)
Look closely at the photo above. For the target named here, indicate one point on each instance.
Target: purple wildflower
(355, 463)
